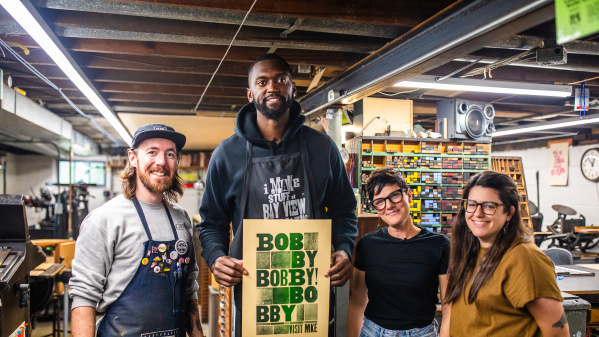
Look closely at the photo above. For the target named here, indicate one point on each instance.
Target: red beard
(154, 186)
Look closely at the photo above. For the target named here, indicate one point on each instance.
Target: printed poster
(558, 164)
(285, 291)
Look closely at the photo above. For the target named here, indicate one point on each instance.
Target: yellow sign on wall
(285, 292)
(575, 19)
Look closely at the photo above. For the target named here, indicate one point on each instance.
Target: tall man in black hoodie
(270, 143)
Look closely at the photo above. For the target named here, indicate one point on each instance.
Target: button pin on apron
(181, 247)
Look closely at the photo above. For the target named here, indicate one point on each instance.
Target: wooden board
(66, 250)
(590, 265)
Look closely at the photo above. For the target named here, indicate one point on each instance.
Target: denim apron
(153, 303)
(266, 180)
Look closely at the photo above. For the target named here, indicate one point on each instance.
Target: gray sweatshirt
(110, 247)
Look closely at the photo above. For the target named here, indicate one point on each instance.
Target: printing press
(18, 256)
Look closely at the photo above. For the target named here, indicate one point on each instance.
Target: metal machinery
(55, 225)
(564, 234)
(18, 256)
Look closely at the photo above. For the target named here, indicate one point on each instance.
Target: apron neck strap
(142, 217)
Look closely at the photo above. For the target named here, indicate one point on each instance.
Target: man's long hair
(128, 177)
(465, 246)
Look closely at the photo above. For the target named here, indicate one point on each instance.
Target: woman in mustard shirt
(500, 284)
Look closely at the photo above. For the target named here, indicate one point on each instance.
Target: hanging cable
(53, 86)
(438, 79)
(507, 61)
(397, 93)
(224, 56)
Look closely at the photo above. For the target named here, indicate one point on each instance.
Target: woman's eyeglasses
(488, 207)
(395, 197)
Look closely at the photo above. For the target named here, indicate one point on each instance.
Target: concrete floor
(43, 328)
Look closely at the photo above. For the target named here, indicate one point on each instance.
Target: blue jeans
(371, 329)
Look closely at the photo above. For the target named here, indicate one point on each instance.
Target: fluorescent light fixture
(20, 13)
(575, 121)
(499, 87)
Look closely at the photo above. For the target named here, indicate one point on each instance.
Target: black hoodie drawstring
(272, 148)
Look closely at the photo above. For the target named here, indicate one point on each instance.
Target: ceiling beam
(124, 106)
(462, 29)
(158, 98)
(130, 28)
(148, 88)
(519, 42)
(574, 63)
(123, 76)
(208, 52)
(406, 13)
(175, 111)
(547, 76)
(280, 20)
(195, 52)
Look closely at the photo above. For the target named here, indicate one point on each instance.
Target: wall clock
(589, 164)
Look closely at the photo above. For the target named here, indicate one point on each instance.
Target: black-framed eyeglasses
(488, 207)
(395, 197)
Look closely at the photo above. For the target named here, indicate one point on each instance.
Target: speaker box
(467, 119)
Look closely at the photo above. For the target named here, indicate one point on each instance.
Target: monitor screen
(13, 224)
(87, 172)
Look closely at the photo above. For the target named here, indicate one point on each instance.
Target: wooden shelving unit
(435, 169)
(512, 166)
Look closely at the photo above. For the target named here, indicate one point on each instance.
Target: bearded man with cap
(134, 261)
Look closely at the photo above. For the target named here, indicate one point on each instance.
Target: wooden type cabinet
(512, 166)
(436, 171)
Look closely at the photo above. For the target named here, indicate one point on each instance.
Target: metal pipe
(4, 176)
(520, 42)
(334, 117)
(538, 194)
(531, 64)
(65, 309)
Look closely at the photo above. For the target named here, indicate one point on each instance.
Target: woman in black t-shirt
(398, 270)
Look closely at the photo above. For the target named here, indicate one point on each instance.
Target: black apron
(276, 187)
(153, 303)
